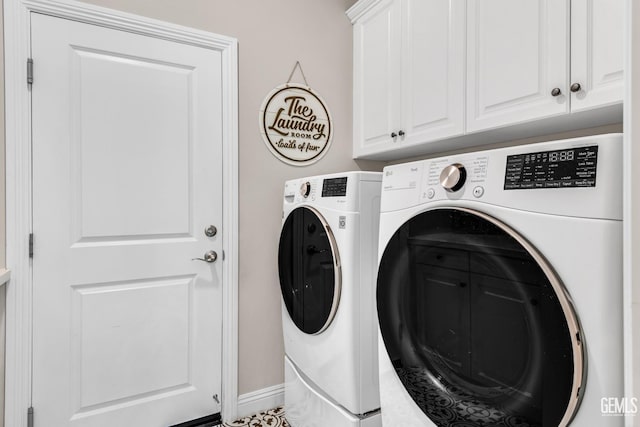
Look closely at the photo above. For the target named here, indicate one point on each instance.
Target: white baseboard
(260, 400)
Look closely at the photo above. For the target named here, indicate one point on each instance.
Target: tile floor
(271, 418)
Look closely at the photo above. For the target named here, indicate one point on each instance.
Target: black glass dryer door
(309, 270)
(478, 328)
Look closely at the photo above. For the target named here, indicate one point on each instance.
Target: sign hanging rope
(298, 66)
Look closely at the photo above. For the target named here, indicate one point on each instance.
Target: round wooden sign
(296, 125)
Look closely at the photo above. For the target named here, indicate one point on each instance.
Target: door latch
(209, 256)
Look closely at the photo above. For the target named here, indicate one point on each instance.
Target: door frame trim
(17, 30)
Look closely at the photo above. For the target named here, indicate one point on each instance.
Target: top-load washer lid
(309, 268)
(476, 324)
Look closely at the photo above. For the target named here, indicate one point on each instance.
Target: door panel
(102, 133)
(518, 52)
(159, 341)
(597, 52)
(127, 147)
(433, 78)
(377, 71)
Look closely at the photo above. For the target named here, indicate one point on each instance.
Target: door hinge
(31, 245)
(30, 71)
(30, 417)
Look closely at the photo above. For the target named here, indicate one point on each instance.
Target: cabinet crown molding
(360, 8)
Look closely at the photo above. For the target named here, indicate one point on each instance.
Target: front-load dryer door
(309, 269)
(477, 326)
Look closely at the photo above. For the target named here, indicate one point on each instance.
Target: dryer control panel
(578, 177)
(573, 167)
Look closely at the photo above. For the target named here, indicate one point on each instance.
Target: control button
(478, 191)
(305, 189)
(430, 193)
(452, 177)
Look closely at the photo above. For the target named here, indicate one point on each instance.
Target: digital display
(334, 187)
(575, 167)
(561, 156)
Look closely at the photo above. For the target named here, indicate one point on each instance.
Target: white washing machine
(327, 260)
(499, 290)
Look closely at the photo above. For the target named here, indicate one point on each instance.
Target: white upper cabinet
(528, 60)
(439, 75)
(597, 53)
(517, 61)
(408, 73)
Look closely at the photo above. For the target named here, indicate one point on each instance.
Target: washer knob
(452, 177)
(305, 189)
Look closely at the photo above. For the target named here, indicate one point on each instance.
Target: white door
(377, 91)
(127, 175)
(517, 54)
(597, 53)
(433, 78)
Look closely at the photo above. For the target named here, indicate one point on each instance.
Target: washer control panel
(331, 187)
(334, 187)
(333, 191)
(343, 191)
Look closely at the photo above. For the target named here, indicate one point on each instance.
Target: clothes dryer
(327, 262)
(499, 290)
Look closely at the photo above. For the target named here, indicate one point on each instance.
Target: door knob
(393, 134)
(209, 256)
(575, 87)
(556, 91)
(401, 133)
(211, 231)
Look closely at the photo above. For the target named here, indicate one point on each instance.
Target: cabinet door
(433, 70)
(517, 53)
(376, 92)
(597, 45)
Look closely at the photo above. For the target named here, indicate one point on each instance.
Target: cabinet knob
(556, 91)
(576, 87)
(401, 133)
(393, 134)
